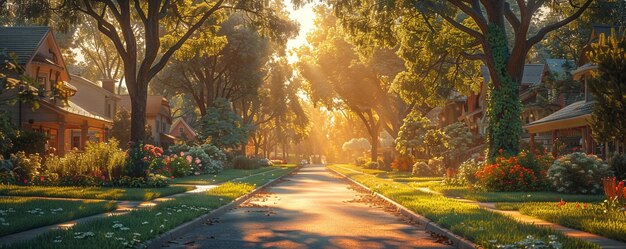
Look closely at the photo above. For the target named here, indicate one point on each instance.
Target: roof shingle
(23, 41)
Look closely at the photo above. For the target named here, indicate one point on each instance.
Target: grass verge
(224, 175)
(486, 229)
(466, 193)
(23, 213)
(137, 227)
(582, 216)
(397, 176)
(128, 194)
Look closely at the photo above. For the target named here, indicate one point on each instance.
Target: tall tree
(486, 23)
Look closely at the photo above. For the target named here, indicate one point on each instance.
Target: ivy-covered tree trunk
(503, 104)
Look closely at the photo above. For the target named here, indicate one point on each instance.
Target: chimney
(109, 84)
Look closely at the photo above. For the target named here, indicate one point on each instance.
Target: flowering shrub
(180, 165)
(242, 162)
(615, 193)
(467, 171)
(402, 163)
(618, 166)
(506, 174)
(139, 158)
(422, 168)
(578, 173)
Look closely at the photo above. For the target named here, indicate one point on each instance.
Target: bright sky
(305, 16)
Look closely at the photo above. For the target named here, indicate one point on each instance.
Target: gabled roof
(560, 67)
(576, 109)
(533, 74)
(184, 123)
(75, 109)
(76, 79)
(23, 41)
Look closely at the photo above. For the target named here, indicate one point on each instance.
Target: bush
(30, 142)
(370, 165)
(403, 163)
(265, 162)
(383, 166)
(421, 168)
(77, 180)
(25, 167)
(202, 162)
(618, 166)
(467, 171)
(360, 161)
(178, 148)
(242, 162)
(139, 158)
(100, 160)
(506, 174)
(180, 165)
(437, 166)
(578, 173)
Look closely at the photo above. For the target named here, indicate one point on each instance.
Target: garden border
(458, 241)
(188, 226)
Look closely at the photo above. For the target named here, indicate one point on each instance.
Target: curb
(190, 225)
(458, 241)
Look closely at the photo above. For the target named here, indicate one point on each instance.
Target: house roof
(76, 79)
(533, 73)
(184, 123)
(576, 109)
(23, 41)
(73, 108)
(559, 67)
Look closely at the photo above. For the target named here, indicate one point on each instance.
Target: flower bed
(225, 175)
(22, 213)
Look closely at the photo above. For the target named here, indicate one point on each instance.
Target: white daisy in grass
(144, 223)
(125, 228)
(159, 213)
(109, 235)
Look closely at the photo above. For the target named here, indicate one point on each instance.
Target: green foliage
(503, 104)
(29, 141)
(608, 87)
(435, 142)
(104, 161)
(121, 127)
(459, 137)
(25, 167)
(371, 165)
(178, 148)
(412, 134)
(357, 146)
(578, 173)
(180, 166)
(130, 194)
(467, 171)
(222, 127)
(507, 174)
(242, 162)
(618, 166)
(422, 168)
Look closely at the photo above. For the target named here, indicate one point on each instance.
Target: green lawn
(23, 213)
(589, 218)
(397, 176)
(224, 175)
(132, 194)
(485, 228)
(139, 226)
(466, 193)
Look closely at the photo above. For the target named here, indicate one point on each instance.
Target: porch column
(532, 142)
(61, 139)
(554, 136)
(84, 132)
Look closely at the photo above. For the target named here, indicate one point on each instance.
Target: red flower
(500, 150)
(172, 177)
(25, 181)
(586, 205)
(577, 205)
(102, 177)
(42, 178)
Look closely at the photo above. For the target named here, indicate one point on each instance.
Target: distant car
(304, 162)
(265, 162)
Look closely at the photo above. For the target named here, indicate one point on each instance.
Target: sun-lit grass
(23, 213)
(224, 175)
(588, 217)
(397, 176)
(142, 225)
(132, 194)
(466, 193)
(468, 220)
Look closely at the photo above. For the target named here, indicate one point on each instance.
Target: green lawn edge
(485, 228)
(101, 193)
(19, 214)
(140, 226)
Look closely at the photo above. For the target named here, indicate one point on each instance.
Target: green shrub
(25, 167)
(467, 171)
(30, 142)
(101, 160)
(421, 168)
(265, 162)
(242, 162)
(360, 161)
(176, 149)
(202, 162)
(180, 165)
(77, 180)
(578, 173)
(618, 166)
(370, 165)
(436, 164)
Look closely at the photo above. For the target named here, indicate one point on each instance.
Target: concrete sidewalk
(312, 209)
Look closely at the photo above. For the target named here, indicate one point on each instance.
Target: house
(569, 127)
(66, 123)
(95, 98)
(182, 131)
(158, 117)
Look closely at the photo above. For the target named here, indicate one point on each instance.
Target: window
(180, 131)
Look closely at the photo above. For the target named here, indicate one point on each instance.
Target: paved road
(311, 209)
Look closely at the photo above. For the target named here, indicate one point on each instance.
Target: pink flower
(42, 179)
(198, 161)
(182, 154)
(172, 177)
(102, 177)
(25, 181)
(189, 159)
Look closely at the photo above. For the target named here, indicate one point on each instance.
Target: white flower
(124, 228)
(144, 223)
(159, 213)
(109, 235)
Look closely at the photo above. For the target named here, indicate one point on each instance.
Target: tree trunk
(503, 106)
(374, 151)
